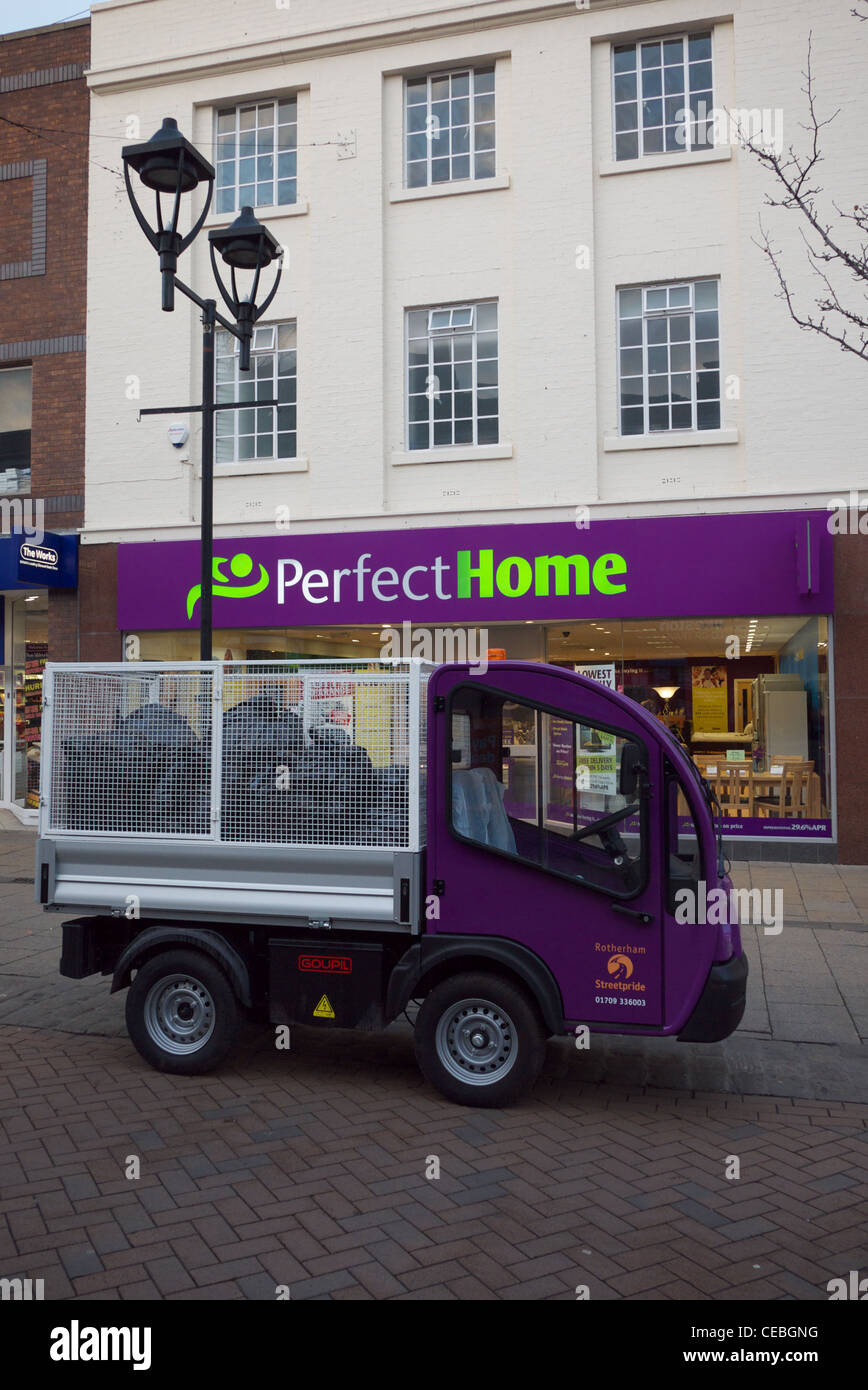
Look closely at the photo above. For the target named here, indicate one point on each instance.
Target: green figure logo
(241, 566)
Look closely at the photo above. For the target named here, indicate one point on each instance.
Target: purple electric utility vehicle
(521, 852)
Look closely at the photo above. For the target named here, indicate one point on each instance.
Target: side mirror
(632, 769)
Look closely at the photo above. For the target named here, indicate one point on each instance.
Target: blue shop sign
(34, 561)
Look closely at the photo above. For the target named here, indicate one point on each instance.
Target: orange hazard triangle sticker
(324, 1008)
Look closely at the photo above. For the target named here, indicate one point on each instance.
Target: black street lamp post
(168, 163)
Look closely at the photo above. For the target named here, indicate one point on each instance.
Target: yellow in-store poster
(709, 690)
(373, 721)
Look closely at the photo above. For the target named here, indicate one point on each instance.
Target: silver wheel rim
(476, 1042)
(179, 1014)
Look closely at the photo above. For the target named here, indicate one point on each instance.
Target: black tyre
(182, 1013)
(479, 1040)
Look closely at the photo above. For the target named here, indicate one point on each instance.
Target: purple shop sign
(647, 567)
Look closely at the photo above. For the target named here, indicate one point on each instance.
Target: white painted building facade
(566, 230)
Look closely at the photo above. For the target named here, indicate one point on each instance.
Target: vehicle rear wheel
(479, 1040)
(182, 1013)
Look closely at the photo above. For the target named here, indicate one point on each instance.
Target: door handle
(633, 912)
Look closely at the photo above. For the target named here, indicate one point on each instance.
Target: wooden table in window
(762, 784)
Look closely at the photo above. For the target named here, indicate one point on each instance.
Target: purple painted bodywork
(573, 928)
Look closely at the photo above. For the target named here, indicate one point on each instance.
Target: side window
(543, 788)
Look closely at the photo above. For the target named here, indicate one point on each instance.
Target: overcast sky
(29, 14)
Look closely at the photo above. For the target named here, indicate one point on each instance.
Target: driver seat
(478, 811)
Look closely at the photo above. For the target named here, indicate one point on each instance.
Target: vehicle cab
(565, 819)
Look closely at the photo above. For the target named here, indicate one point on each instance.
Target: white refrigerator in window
(781, 717)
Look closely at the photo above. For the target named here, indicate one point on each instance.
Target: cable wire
(35, 130)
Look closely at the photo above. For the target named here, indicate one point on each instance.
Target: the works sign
(649, 567)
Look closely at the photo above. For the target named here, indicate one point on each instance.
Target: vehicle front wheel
(479, 1040)
(182, 1013)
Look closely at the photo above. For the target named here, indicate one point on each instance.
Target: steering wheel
(605, 823)
(611, 840)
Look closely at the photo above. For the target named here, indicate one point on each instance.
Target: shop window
(452, 369)
(258, 432)
(16, 402)
(29, 654)
(669, 358)
(256, 154)
(537, 786)
(662, 96)
(746, 699)
(449, 129)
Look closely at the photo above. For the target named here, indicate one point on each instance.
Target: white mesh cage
(295, 753)
(129, 751)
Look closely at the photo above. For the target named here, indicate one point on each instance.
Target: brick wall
(43, 272)
(63, 625)
(16, 222)
(97, 586)
(53, 304)
(57, 442)
(851, 695)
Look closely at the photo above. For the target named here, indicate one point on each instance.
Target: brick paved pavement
(811, 892)
(308, 1168)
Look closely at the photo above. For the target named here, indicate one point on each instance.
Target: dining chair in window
(789, 802)
(734, 786)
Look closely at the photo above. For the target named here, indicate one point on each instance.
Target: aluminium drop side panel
(199, 881)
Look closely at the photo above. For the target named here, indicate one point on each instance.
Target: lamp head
(246, 244)
(159, 161)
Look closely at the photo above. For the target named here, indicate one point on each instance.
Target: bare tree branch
(828, 247)
(808, 322)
